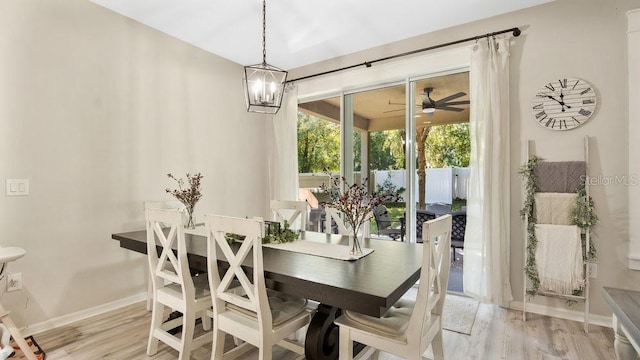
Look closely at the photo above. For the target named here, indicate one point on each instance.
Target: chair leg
(345, 345)
(217, 348)
(15, 333)
(149, 294)
(265, 353)
(188, 329)
(157, 312)
(437, 346)
(206, 321)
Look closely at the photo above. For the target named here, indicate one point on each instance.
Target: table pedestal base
(323, 335)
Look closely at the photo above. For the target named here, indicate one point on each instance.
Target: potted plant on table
(188, 196)
(355, 203)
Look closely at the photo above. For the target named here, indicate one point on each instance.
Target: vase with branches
(188, 196)
(355, 202)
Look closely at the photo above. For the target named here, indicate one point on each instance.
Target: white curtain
(486, 245)
(283, 159)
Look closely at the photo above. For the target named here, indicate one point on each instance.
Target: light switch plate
(17, 187)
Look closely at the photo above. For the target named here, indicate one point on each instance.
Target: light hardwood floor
(497, 334)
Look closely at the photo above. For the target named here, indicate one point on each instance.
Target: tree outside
(438, 146)
(318, 144)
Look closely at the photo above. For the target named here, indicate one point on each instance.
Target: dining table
(369, 285)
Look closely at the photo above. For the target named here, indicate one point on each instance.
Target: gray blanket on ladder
(561, 176)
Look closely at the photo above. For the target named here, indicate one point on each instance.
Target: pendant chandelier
(263, 83)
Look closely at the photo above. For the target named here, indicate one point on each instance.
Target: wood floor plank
(497, 334)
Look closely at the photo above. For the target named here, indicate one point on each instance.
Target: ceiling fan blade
(451, 97)
(448, 108)
(456, 103)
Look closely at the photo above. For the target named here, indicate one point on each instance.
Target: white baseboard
(566, 314)
(81, 315)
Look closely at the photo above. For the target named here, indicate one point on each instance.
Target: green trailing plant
(528, 212)
(280, 235)
(283, 235)
(583, 215)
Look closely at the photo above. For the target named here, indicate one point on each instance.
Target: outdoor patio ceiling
(384, 109)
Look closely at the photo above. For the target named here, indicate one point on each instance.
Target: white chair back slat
(169, 271)
(294, 212)
(434, 274)
(333, 215)
(252, 294)
(168, 265)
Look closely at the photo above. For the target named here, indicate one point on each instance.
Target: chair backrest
(459, 225)
(439, 208)
(381, 215)
(422, 216)
(434, 274)
(224, 290)
(291, 211)
(333, 215)
(165, 233)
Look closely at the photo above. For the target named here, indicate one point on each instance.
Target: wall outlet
(14, 282)
(593, 270)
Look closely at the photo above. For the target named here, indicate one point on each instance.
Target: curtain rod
(515, 30)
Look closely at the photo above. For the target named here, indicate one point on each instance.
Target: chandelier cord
(264, 32)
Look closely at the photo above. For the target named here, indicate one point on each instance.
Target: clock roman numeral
(550, 87)
(587, 101)
(576, 120)
(585, 91)
(551, 121)
(574, 85)
(563, 122)
(541, 114)
(538, 106)
(563, 83)
(584, 112)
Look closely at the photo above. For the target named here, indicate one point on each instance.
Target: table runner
(333, 251)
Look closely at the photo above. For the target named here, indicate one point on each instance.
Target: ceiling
(302, 32)
(384, 108)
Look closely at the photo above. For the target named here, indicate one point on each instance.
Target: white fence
(443, 184)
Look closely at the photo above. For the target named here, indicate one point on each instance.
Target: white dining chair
(173, 286)
(293, 212)
(409, 327)
(160, 204)
(335, 216)
(249, 311)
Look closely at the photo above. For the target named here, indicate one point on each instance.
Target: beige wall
(95, 109)
(565, 38)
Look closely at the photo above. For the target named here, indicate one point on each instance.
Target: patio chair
(439, 208)
(409, 327)
(385, 223)
(422, 216)
(458, 227)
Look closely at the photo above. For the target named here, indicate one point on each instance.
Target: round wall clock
(564, 104)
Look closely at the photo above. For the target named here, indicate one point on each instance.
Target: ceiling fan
(429, 106)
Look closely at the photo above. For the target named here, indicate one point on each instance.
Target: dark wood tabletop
(369, 285)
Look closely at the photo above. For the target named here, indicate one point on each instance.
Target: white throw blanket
(555, 208)
(559, 258)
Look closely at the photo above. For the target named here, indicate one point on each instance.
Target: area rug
(459, 312)
(37, 350)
